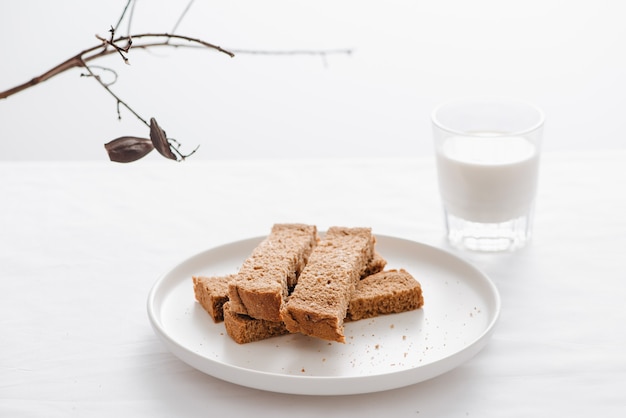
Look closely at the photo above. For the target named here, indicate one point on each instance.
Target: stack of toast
(296, 282)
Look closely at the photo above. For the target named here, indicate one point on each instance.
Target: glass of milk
(488, 164)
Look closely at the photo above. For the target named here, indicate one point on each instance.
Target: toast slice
(319, 302)
(387, 292)
(243, 329)
(212, 291)
(267, 275)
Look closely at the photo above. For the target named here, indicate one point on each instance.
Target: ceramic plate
(460, 310)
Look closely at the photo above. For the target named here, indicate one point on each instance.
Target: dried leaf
(159, 140)
(127, 149)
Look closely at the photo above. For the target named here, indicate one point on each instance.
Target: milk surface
(487, 179)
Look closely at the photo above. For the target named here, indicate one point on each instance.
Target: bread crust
(266, 276)
(319, 302)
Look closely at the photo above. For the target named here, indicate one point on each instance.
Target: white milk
(487, 179)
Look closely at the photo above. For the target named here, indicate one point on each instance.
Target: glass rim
(532, 128)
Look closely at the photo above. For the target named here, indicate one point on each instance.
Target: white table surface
(81, 245)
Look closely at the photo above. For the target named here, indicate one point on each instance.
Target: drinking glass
(488, 167)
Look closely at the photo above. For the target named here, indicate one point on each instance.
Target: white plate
(461, 308)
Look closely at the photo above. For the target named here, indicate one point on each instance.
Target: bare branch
(170, 36)
(151, 40)
(119, 101)
(130, 18)
(119, 22)
(176, 146)
(111, 42)
(182, 16)
(321, 52)
(68, 64)
(130, 148)
(106, 69)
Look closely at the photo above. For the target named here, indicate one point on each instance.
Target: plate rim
(310, 385)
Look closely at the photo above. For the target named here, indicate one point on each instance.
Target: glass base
(488, 237)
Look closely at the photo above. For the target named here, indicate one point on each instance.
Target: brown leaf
(159, 140)
(127, 149)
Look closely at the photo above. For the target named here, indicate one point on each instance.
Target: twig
(180, 18)
(110, 70)
(115, 96)
(321, 52)
(119, 21)
(169, 37)
(111, 42)
(99, 51)
(130, 17)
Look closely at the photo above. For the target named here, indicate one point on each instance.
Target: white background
(565, 56)
(82, 243)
